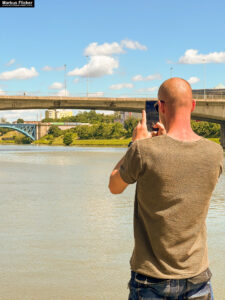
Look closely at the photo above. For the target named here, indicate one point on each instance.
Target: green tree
(22, 140)
(129, 124)
(103, 131)
(4, 130)
(26, 140)
(68, 139)
(20, 120)
(206, 129)
(86, 131)
(47, 120)
(117, 131)
(88, 117)
(55, 131)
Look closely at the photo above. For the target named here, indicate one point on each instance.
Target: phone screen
(152, 116)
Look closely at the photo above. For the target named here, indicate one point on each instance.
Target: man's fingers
(143, 120)
(154, 133)
(159, 125)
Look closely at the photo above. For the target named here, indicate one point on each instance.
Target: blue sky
(125, 48)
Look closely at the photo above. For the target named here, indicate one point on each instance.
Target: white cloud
(147, 78)
(63, 93)
(2, 92)
(138, 78)
(219, 86)
(11, 62)
(121, 86)
(132, 45)
(193, 80)
(96, 94)
(148, 90)
(101, 61)
(192, 56)
(98, 66)
(21, 73)
(105, 49)
(56, 86)
(48, 68)
(27, 115)
(76, 80)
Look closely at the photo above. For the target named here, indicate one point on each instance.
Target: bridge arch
(28, 130)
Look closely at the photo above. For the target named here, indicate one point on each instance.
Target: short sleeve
(132, 164)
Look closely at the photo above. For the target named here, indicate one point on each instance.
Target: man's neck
(180, 128)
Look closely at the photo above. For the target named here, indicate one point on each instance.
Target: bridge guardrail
(209, 96)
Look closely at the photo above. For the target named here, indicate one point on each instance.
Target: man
(176, 173)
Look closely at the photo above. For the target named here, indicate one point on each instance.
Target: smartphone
(152, 116)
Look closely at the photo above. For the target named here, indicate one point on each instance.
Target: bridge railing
(209, 96)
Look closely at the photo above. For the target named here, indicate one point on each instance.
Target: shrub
(68, 139)
(55, 131)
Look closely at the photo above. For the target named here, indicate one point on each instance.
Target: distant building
(125, 115)
(50, 114)
(63, 114)
(57, 114)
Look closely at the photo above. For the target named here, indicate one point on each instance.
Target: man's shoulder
(152, 140)
(164, 140)
(151, 145)
(213, 145)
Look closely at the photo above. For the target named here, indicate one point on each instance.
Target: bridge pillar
(38, 131)
(41, 130)
(222, 134)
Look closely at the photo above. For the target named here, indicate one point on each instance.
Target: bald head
(176, 92)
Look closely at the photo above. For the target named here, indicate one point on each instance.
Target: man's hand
(141, 131)
(161, 130)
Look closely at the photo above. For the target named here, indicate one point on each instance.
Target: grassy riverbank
(109, 142)
(13, 138)
(58, 141)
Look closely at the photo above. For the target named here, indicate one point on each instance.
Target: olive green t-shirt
(175, 180)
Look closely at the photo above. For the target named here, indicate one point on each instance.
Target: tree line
(101, 130)
(107, 127)
(118, 130)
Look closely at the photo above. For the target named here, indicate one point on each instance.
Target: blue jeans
(148, 288)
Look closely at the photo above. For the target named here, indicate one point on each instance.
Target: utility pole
(171, 72)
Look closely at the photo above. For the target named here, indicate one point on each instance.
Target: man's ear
(162, 107)
(193, 105)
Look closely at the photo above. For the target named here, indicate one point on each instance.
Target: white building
(58, 114)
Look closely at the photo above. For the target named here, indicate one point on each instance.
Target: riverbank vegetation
(102, 130)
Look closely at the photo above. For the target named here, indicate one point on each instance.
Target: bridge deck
(102, 103)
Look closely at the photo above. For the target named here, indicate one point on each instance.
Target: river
(64, 236)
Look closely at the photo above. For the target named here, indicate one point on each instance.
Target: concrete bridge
(206, 110)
